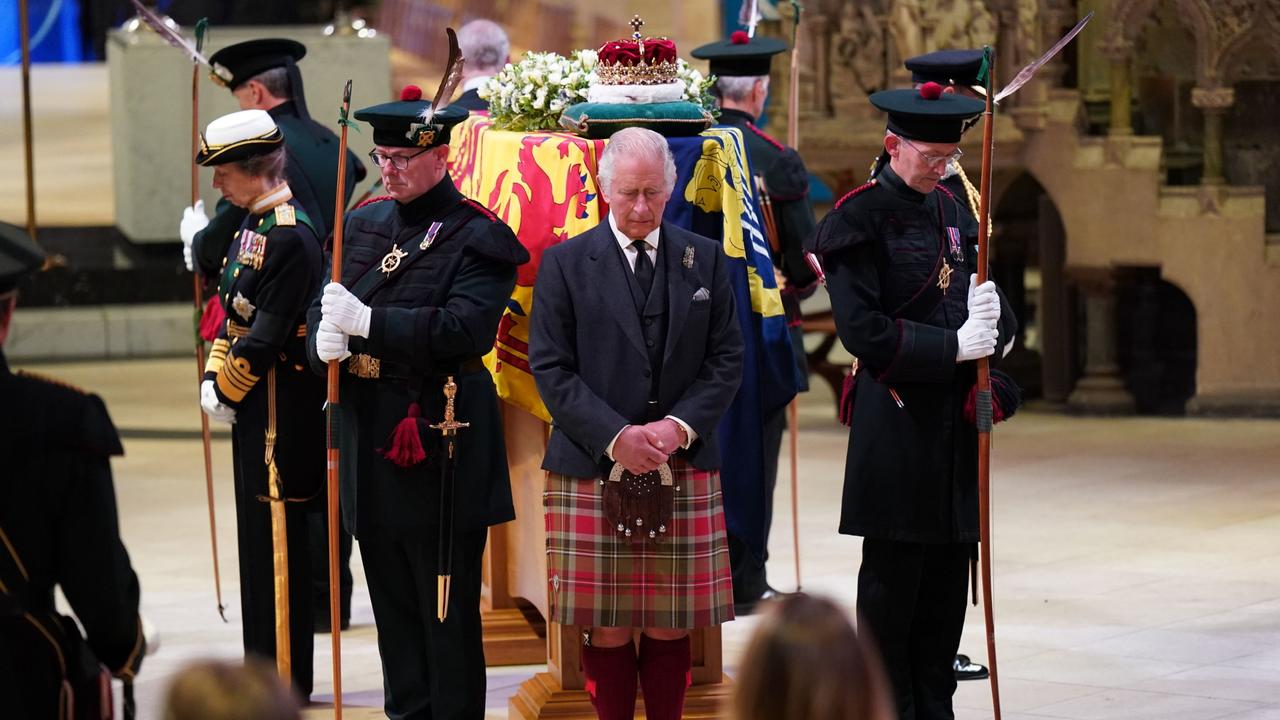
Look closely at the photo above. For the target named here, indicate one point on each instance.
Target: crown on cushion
(638, 60)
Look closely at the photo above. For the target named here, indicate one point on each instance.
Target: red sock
(664, 676)
(611, 680)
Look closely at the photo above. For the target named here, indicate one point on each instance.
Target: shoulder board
(285, 216)
(854, 192)
(373, 200)
(51, 381)
(765, 136)
(480, 209)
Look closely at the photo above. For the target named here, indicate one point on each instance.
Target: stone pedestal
(1101, 391)
(151, 113)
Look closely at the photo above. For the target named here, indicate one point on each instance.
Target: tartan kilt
(597, 579)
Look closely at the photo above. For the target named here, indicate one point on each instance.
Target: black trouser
(430, 669)
(257, 573)
(750, 578)
(319, 542)
(911, 597)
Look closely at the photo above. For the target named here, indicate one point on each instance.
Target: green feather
(202, 26)
(796, 10)
(346, 121)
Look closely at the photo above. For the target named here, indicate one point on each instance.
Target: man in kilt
(636, 352)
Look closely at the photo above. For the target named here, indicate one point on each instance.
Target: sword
(444, 564)
(1025, 74)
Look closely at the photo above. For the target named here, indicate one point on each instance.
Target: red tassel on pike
(404, 447)
(212, 320)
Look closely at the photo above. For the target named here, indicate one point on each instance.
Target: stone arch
(1027, 262)
(1156, 348)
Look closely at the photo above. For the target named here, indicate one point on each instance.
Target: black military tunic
(435, 314)
(898, 264)
(259, 368)
(59, 527)
(311, 168)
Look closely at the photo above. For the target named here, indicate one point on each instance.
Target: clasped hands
(642, 448)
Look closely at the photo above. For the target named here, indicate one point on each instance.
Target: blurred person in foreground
(805, 662)
(223, 690)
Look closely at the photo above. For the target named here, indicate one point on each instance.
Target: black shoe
(968, 670)
(748, 607)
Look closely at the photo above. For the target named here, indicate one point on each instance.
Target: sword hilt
(450, 425)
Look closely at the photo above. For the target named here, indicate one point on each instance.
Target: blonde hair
(805, 662)
(220, 690)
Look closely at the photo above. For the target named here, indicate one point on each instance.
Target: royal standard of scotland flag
(713, 197)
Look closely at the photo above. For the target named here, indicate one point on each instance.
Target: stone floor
(1137, 560)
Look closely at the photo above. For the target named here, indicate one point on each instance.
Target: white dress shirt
(630, 252)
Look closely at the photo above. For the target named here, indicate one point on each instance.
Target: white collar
(651, 240)
(277, 195)
(475, 83)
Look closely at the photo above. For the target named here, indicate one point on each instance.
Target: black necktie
(644, 266)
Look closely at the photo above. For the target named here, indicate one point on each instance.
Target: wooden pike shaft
(331, 452)
(984, 399)
(28, 157)
(197, 293)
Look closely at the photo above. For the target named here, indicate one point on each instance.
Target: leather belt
(236, 330)
(369, 367)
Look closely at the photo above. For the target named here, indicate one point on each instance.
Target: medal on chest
(253, 248)
(391, 260)
(429, 239)
(243, 307)
(944, 276)
(953, 240)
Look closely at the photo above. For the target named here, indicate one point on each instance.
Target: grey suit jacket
(588, 355)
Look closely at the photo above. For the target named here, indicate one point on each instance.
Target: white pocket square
(701, 295)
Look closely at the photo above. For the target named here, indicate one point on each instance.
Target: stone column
(1120, 52)
(1101, 391)
(819, 27)
(1214, 103)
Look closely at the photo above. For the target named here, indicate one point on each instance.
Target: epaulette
(373, 200)
(285, 216)
(51, 381)
(853, 192)
(765, 136)
(480, 209)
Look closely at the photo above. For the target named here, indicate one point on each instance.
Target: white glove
(984, 301)
(213, 407)
(345, 310)
(977, 339)
(193, 221)
(331, 343)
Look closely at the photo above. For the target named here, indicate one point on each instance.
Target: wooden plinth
(512, 638)
(542, 697)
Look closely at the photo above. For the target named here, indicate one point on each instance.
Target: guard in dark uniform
(263, 74)
(58, 526)
(257, 377)
(426, 274)
(957, 71)
(899, 257)
(741, 66)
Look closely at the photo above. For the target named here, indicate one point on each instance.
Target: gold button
(236, 274)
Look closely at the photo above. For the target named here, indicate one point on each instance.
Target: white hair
(636, 142)
(737, 88)
(485, 45)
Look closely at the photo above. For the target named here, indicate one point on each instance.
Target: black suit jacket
(588, 354)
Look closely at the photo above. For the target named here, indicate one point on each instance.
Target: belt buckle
(365, 366)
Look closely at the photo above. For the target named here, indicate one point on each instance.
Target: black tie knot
(644, 266)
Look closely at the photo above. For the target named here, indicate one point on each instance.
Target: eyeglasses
(931, 159)
(399, 162)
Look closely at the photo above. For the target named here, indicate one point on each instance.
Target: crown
(638, 60)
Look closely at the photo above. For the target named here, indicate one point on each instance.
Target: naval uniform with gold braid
(437, 273)
(259, 367)
(58, 526)
(898, 264)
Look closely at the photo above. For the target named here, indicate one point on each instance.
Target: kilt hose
(598, 579)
